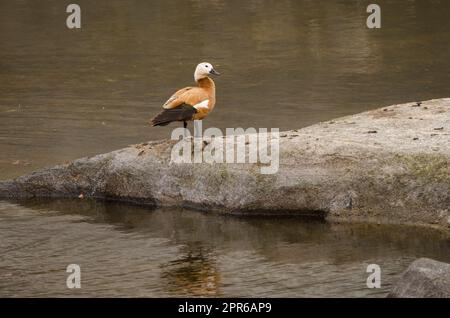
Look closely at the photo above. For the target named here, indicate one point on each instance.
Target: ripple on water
(126, 250)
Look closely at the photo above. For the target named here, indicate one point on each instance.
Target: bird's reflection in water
(129, 250)
(195, 274)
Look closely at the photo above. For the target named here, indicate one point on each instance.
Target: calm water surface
(127, 250)
(66, 94)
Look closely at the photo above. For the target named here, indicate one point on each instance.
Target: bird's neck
(206, 83)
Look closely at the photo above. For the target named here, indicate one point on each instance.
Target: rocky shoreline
(424, 278)
(389, 165)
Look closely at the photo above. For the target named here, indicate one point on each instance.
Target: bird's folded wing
(187, 95)
(174, 100)
(183, 112)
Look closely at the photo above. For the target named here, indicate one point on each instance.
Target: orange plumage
(190, 103)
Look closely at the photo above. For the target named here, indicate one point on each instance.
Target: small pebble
(372, 132)
(415, 138)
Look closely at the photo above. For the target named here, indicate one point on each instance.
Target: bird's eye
(206, 66)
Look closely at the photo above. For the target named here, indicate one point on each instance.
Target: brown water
(127, 250)
(66, 93)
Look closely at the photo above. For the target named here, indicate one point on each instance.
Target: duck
(190, 103)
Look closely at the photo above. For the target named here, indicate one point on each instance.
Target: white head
(203, 70)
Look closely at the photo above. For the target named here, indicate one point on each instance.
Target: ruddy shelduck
(190, 103)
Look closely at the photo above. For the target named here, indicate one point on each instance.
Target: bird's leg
(185, 127)
(198, 128)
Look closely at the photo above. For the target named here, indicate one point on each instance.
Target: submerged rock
(334, 169)
(424, 278)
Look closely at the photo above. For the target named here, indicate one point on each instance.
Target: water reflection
(193, 274)
(136, 251)
(65, 94)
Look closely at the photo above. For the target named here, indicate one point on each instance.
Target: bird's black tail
(183, 112)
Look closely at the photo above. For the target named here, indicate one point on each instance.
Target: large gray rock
(386, 165)
(424, 278)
